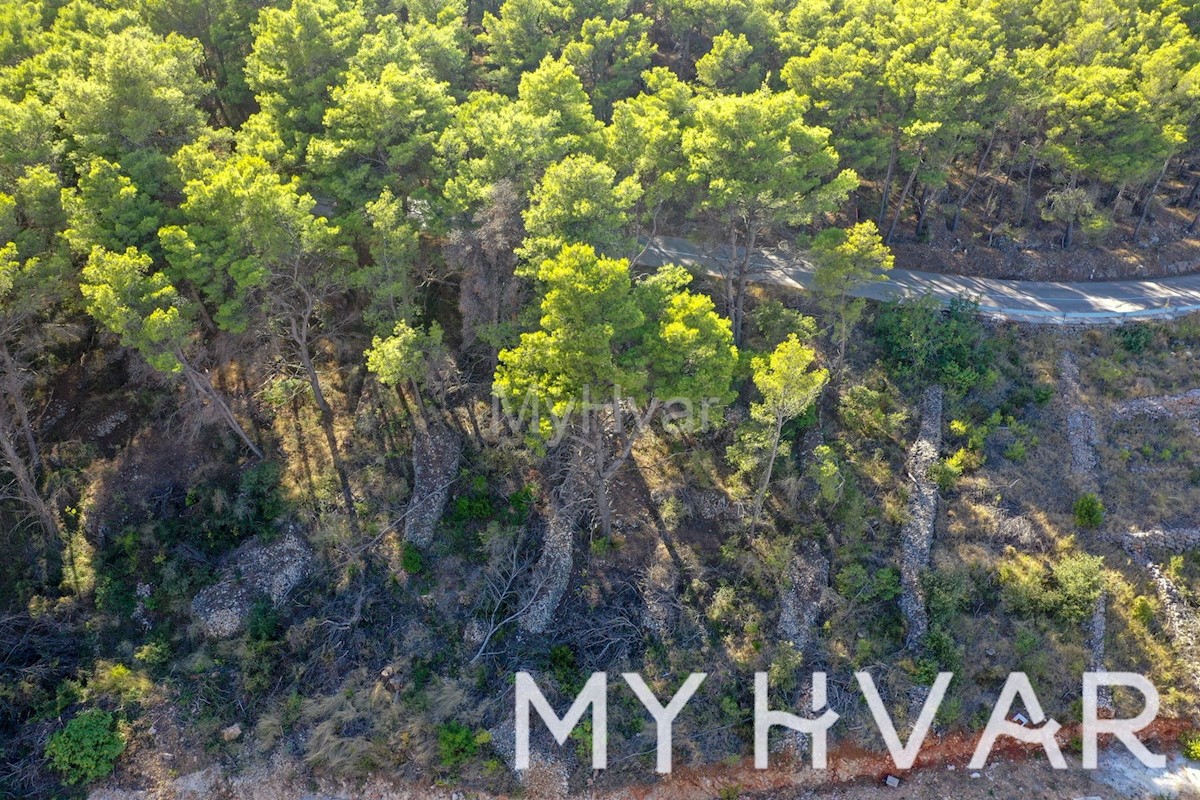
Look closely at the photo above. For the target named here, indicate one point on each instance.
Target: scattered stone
(474, 633)
(801, 599)
(1178, 406)
(1082, 434)
(568, 503)
(232, 733)
(892, 781)
(916, 537)
(1160, 542)
(256, 571)
(201, 785)
(1096, 645)
(437, 451)
(1183, 625)
(552, 571)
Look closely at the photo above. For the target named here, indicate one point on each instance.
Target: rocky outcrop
(1082, 433)
(552, 573)
(1181, 621)
(1096, 646)
(1158, 542)
(255, 572)
(437, 451)
(1178, 406)
(916, 537)
(800, 604)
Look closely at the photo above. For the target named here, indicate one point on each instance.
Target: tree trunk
(326, 416)
(1028, 207)
(1067, 237)
(1195, 222)
(1150, 199)
(203, 387)
(887, 181)
(927, 199)
(742, 279)
(962, 201)
(1194, 195)
(760, 496)
(16, 398)
(600, 483)
(730, 283)
(912, 177)
(25, 483)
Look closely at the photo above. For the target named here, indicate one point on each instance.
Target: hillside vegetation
(332, 392)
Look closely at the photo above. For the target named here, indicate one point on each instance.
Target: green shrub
(411, 559)
(1189, 745)
(854, 582)
(263, 623)
(871, 414)
(155, 654)
(1135, 338)
(1142, 610)
(1023, 584)
(87, 748)
(1089, 511)
(827, 473)
(775, 322)
(924, 343)
(457, 744)
(1077, 583)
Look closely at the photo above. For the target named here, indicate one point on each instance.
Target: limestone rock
(256, 571)
(437, 451)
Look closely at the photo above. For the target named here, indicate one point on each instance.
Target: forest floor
(1164, 247)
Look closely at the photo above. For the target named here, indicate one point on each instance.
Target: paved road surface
(1023, 301)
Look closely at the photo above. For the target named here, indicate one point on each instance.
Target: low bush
(457, 744)
(87, 748)
(1089, 511)
(1189, 745)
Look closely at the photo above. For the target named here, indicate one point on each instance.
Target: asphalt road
(1022, 301)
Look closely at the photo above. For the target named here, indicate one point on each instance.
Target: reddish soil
(941, 771)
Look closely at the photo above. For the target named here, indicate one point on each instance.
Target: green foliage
(1068, 590)
(403, 357)
(411, 560)
(856, 584)
(87, 748)
(578, 201)
(845, 260)
(728, 67)
(924, 343)
(872, 413)
(1135, 338)
(140, 306)
(1088, 511)
(775, 322)
(458, 744)
(1189, 745)
(263, 623)
(1078, 579)
(601, 333)
(827, 471)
